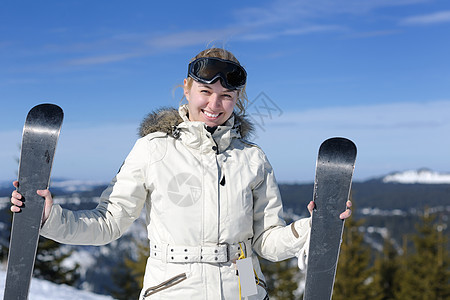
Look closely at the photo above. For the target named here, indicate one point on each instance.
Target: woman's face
(210, 103)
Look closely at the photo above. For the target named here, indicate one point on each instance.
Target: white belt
(220, 253)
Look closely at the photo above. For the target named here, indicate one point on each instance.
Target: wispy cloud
(395, 136)
(371, 34)
(246, 24)
(284, 11)
(434, 18)
(186, 38)
(294, 31)
(101, 59)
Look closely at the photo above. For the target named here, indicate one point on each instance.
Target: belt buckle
(227, 249)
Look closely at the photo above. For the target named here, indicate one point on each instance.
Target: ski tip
(47, 111)
(340, 143)
(47, 107)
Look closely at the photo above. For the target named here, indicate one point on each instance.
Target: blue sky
(377, 72)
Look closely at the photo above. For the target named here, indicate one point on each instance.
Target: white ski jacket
(206, 195)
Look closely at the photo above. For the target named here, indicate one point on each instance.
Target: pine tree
(385, 271)
(353, 266)
(49, 266)
(129, 274)
(282, 279)
(5, 214)
(426, 273)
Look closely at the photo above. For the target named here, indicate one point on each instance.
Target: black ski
(334, 171)
(40, 135)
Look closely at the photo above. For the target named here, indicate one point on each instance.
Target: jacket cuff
(49, 225)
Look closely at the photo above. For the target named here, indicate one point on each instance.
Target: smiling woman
(211, 199)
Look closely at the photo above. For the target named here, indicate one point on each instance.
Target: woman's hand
(16, 200)
(347, 213)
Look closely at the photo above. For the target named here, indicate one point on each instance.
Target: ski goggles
(209, 69)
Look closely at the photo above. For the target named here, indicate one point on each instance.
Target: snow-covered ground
(45, 290)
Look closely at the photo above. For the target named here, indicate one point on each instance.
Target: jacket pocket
(165, 285)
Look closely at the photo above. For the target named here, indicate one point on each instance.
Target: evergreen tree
(353, 266)
(5, 214)
(282, 279)
(385, 273)
(49, 266)
(426, 273)
(128, 276)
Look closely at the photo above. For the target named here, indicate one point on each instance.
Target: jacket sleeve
(273, 240)
(120, 204)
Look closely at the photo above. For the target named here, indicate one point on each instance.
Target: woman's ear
(186, 90)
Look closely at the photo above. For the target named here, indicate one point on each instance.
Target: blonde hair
(242, 100)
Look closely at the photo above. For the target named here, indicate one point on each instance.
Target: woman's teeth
(210, 115)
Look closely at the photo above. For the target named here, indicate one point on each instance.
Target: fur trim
(246, 127)
(166, 119)
(161, 120)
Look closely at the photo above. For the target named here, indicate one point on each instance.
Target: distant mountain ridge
(421, 176)
(63, 186)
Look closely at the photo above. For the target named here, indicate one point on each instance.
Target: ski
(40, 135)
(334, 171)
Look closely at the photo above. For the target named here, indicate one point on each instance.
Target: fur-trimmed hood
(166, 120)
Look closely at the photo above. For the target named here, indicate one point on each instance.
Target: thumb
(47, 205)
(311, 207)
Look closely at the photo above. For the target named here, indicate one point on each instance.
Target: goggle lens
(209, 69)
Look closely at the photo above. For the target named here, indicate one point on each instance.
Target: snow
(423, 176)
(72, 185)
(45, 290)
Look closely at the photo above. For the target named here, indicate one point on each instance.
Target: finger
(15, 183)
(345, 214)
(349, 204)
(47, 205)
(16, 195)
(48, 197)
(16, 202)
(15, 209)
(311, 206)
(45, 193)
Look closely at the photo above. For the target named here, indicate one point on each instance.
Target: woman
(210, 195)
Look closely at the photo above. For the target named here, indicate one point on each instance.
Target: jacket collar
(176, 124)
(195, 134)
(166, 119)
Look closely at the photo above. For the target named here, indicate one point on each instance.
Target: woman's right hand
(16, 200)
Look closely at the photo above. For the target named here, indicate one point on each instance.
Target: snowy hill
(72, 186)
(421, 176)
(45, 290)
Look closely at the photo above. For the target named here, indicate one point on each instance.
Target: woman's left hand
(347, 213)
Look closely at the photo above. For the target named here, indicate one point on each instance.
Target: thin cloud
(429, 19)
(266, 22)
(283, 11)
(397, 136)
(371, 34)
(295, 31)
(102, 59)
(136, 46)
(415, 116)
(192, 37)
